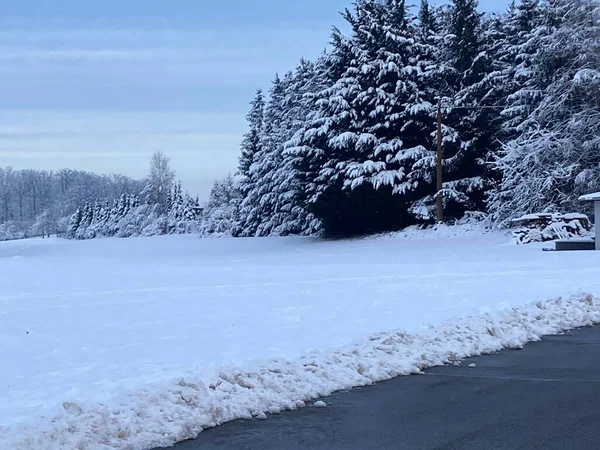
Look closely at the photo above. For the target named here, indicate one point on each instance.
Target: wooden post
(439, 161)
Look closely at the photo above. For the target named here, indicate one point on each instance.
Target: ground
(543, 397)
(98, 332)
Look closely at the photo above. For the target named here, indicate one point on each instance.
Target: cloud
(103, 97)
(102, 54)
(202, 147)
(139, 68)
(231, 40)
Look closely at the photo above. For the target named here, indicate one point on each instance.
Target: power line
(445, 100)
(439, 153)
(477, 107)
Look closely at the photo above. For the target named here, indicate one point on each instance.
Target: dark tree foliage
(346, 145)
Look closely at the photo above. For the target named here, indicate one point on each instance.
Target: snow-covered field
(134, 343)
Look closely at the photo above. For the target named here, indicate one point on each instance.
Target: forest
(346, 144)
(505, 105)
(83, 205)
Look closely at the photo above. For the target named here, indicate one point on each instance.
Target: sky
(101, 85)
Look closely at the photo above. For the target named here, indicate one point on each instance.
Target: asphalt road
(546, 396)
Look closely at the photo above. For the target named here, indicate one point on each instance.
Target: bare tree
(160, 181)
(6, 191)
(35, 201)
(31, 183)
(21, 191)
(44, 187)
(65, 176)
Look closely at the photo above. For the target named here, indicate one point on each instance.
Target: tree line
(346, 144)
(83, 205)
(36, 202)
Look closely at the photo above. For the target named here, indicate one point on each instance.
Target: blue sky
(100, 85)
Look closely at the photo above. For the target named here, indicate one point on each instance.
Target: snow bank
(163, 414)
(468, 229)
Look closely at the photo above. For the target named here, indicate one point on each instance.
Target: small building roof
(553, 216)
(593, 197)
(532, 217)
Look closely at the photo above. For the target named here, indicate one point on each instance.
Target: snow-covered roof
(575, 216)
(556, 216)
(595, 196)
(533, 217)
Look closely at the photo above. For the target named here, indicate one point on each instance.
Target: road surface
(546, 396)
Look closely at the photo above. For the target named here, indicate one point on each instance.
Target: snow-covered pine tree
(556, 156)
(524, 32)
(97, 209)
(396, 137)
(111, 219)
(260, 200)
(124, 205)
(321, 144)
(432, 81)
(175, 212)
(251, 141)
(118, 212)
(95, 226)
(86, 220)
(474, 114)
(363, 159)
(191, 214)
(220, 217)
(372, 127)
(184, 213)
(247, 167)
(289, 214)
(74, 223)
(308, 151)
(104, 218)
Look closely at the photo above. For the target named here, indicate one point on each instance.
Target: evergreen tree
(260, 199)
(432, 81)
(465, 38)
(251, 142)
(347, 144)
(524, 33)
(373, 126)
(289, 216)
(221, 214)
(473, 121)
(309, 152)
(556, 154)
(74, 224)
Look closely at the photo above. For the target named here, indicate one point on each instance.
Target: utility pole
(439, 160)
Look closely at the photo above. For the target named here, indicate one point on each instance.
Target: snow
(533, 217)
(586, 76)
(595, 196)
(554, 216)
(138, 343)
(320, 404)
(575, 216)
